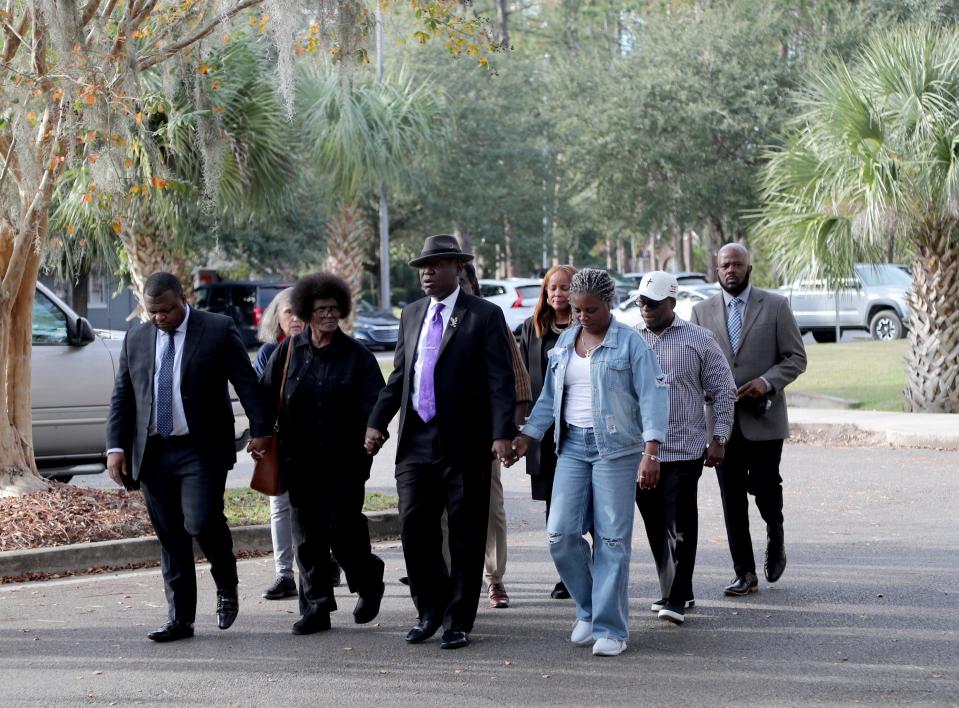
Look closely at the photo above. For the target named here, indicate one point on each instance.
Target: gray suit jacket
(213, 355)
(771, 346)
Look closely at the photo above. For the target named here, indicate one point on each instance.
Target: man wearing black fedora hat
(452, 384)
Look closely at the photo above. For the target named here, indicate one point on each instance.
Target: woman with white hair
(605, 397)
(277, 323)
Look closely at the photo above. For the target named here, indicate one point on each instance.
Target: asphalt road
(865, 613)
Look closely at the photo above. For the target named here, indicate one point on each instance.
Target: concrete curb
(146, 549)
(922, 430)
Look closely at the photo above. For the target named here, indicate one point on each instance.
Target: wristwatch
(722, 440)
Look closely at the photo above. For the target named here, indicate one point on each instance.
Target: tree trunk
(80, 290)
(150, 249)
(503, 15)
(932, 383)
(508, 245)
(347, 241)
(18, 471)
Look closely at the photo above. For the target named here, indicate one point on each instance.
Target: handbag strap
(286, 366)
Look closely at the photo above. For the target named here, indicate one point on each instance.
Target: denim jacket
(630, 398)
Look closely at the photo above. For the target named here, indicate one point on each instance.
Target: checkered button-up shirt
(695, 368)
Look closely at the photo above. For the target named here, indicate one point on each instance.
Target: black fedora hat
(441, 246)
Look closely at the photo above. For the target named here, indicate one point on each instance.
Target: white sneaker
(582, 635)
(608, 647)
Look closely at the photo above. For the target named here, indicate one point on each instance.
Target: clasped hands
(258, 447)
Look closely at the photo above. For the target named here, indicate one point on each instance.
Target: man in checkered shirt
(696, 370)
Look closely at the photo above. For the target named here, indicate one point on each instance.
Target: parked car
(242, 300)
(377, 329)
(72, 373)
(516, 297)
(687, 296)
(875, 298)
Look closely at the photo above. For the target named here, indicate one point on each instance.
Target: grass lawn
(245, 507)
(873, 373)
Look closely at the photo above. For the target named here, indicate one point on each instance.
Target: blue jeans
(592, 493)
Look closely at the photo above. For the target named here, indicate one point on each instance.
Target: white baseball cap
(658, 285)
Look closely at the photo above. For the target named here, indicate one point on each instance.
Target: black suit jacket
(474, 382)
(213, 354)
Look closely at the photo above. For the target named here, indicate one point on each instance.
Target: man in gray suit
(762, 343)
(170, 431)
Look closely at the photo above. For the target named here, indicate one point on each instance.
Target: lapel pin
(453, 322)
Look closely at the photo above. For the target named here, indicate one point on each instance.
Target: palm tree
(223, 152)
(869, 166)
(361, 132)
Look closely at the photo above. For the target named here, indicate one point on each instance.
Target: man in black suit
(453, 386)
(170, 429)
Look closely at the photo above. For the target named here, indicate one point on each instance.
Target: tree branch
(89, 11)
(14, 37)
(172, 49)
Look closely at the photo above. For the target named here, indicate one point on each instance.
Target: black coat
(328, 397)
(534, 350)
(213, 356)
(474, 382)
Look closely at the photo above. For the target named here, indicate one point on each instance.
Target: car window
(219, 299)
(884, 274)
(202, 298)
(49, 321)
(266, 293)
(491, 290)
(529, 293)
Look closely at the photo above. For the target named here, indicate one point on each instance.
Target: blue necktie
(735, 323)
(165, 389)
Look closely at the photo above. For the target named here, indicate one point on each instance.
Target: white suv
(516, 297)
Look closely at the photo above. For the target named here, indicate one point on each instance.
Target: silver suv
(72, 372)
(874, 299)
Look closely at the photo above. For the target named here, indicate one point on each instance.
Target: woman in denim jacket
(605, 394)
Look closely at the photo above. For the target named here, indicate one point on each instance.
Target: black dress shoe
(422, 631)
(743, 585)
(227, 608)
(404, 580)
(368, 606)
(454, 639)
(560, 592)
(172, 631)
(284, 586)
(775, 562)
(313, 620)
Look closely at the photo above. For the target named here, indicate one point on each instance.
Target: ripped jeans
(592, 493)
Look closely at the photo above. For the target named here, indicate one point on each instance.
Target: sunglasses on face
(650, 304)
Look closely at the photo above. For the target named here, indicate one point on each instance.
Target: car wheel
(824, 336)
(886, 325)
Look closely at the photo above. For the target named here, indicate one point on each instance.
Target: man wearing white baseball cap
(695, 370)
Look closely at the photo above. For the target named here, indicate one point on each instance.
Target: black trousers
(327, 514)
(185, 501)
(750, 467)
(427, 483)
(670, 513)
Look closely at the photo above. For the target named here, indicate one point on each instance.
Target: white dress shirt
(162, 342)
(744, 297)
(447, 312)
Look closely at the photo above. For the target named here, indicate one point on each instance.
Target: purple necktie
(431, 352)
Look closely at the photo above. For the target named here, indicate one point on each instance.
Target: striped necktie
(735, 323)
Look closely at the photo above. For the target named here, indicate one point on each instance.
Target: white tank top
(578, 396)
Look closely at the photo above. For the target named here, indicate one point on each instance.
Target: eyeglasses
(650, 304)
(327, 310)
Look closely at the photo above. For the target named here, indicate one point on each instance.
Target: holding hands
(374, 441)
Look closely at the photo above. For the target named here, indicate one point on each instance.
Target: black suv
(242, 300)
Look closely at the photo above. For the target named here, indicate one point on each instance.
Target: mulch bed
(66, 514)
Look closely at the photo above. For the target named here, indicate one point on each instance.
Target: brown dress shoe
(498, 599)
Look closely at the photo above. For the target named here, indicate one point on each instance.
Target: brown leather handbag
(266, 470)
